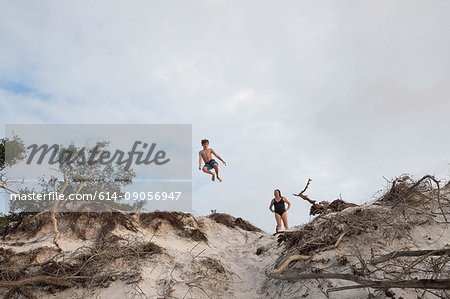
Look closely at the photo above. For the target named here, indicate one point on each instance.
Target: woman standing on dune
(280, 210)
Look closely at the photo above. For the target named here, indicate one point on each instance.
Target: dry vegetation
(406, 205)
(186, 225)
(110, 257)
(232, 222)
(345, 242)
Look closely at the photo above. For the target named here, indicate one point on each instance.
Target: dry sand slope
(174, 255)
(153, 255)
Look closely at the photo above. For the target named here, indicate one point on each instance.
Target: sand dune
(174, 255)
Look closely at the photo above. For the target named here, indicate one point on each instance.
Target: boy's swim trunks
(210, 164)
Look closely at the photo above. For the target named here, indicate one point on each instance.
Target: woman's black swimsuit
(279, 206)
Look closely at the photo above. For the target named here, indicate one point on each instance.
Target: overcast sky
(343, 92)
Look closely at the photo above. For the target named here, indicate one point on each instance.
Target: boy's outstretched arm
(199, 161)
(218, 157)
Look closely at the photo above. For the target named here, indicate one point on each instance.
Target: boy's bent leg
(205, 169)
(216, 168)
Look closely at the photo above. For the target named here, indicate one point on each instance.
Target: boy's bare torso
(206, 155)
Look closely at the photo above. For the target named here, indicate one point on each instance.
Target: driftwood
(288, 261)
(294, 277)
(395, 254)
(324, 206)
(438, 284)
(51, 280)
(441, 284)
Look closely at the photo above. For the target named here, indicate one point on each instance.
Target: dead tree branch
(441, 284)
(296, 277)
(438, 284)
(288, 261)
(51, 280)
(395, 254)
(337, 242)
(304, 196)
(315, 242)
(323, 207)
(7, 189)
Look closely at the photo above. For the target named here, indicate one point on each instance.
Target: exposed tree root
(407, 205)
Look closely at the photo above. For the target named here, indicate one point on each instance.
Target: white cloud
(343, 92)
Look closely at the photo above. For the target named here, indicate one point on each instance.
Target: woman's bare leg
(285, 222)
(278, 218)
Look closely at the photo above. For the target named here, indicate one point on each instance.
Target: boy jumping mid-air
(209, 162)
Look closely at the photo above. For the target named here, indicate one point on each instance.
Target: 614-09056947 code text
(151, 195)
